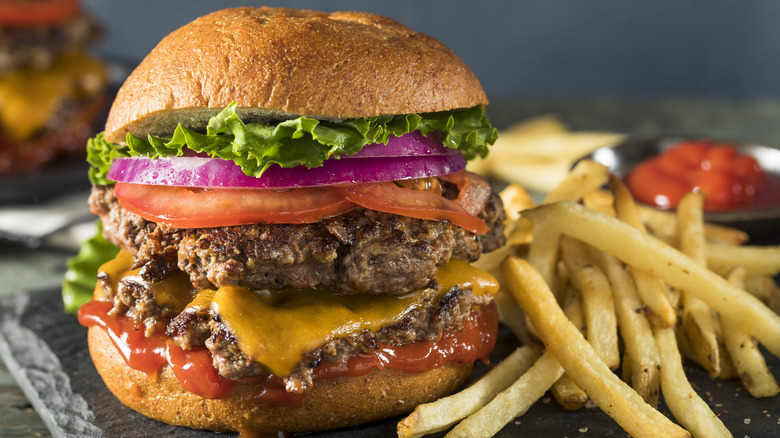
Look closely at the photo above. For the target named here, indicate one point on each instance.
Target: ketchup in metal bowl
(731, 181)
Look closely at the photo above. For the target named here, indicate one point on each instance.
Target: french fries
(682, 400)
(512, 402)
(747, 359)
(539, 153)
(698, 324)
(651, 255)
(578, 357)
(609, 274)
(439, 415)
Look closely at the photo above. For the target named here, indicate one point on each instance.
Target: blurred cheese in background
(51, 89)
(538, 153)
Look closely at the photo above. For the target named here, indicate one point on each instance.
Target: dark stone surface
(46, 351)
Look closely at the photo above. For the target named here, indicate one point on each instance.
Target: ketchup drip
(194, 369)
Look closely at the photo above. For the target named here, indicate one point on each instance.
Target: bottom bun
(332, 403)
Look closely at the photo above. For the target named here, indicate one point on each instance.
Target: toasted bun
(333, 403)
(276, 63)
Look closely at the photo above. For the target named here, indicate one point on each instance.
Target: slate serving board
(46, 351)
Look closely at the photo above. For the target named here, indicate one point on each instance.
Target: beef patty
(361, 251)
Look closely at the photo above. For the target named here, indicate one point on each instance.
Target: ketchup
(730, 180)
(194, 369)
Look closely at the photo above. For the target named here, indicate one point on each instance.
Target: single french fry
(675, 268)
(439, 415)
(761, 286)
(600, 200)
(543, 252)
(568, 395)
(756, 260)
(634, 328)
(663, 223)
(512, 402)
(699, 325)
(748, 360)
(651, 290)
(578, 357)
(597, 301)
(688, 408)
(586, 177)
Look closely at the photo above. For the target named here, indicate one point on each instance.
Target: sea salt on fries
(578, 357)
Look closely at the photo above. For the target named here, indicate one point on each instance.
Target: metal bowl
(759, 223)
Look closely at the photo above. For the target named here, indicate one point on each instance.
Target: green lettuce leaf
(298, 142)
(81, 276)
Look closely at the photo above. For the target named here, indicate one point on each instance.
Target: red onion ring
(215, 172)
(410, 156)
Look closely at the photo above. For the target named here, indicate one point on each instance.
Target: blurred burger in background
(51, 90)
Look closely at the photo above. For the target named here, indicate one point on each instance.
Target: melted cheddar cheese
(277, 327)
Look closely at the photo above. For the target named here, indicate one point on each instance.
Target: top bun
(280, 63)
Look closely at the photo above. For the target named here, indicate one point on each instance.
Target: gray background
(544, 48)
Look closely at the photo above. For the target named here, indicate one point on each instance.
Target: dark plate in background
(57, 179)
(46, 351)
(760, 223)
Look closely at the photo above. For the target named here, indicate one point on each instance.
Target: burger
(51, 90)
(294, 222)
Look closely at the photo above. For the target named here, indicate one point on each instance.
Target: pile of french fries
(594, 285)
(538, 153)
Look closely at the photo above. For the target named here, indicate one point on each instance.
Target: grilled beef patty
(356, 252)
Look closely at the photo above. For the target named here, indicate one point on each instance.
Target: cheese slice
(277, 327)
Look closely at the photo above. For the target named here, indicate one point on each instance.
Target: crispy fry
(512, 402)
(634, 327)
(651, 290)
(568, 395)
(543, 253)
(586, 177)
(600, 200)
(439, 415)
(664, 225)
(578, 357)
(756, 260)
(597, 302)
(682, 400)
(652, 255)
(699, 325)
(748, 360)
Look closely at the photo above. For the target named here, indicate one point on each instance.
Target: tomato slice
(187, 207)
(36, 12)
(420, 204)
(474, 190)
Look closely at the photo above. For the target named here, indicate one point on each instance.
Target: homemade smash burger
(288, 192)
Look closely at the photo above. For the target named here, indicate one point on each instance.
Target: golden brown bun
(281, 62)
(333, 403)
